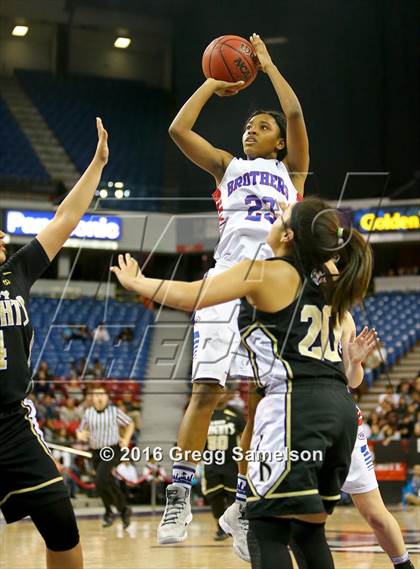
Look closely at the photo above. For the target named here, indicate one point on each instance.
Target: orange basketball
(230, 58)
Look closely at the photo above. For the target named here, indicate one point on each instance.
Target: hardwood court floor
(350, 537)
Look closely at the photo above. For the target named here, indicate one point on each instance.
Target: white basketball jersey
(246, 201)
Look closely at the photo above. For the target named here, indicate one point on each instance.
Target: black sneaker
(108, 520)
(220, 535)
(126, 517)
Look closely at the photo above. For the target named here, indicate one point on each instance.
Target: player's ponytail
(352, 284)
(318, 238)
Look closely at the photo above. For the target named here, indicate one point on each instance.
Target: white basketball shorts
(216, 342)
(361, 477)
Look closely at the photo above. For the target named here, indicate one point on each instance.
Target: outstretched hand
(264, 57)
(128, 271)
(226, 88)
(361, 346)
(102, 150)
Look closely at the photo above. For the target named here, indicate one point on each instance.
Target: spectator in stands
(416, 431)
(376, 358)
(82, 333)
(406, 426)
(69, 413)
(390, 433)
(405, 390)
(375, 433)
(42, 383)
(132, 408)
(126, 335)
(384, 408)
(48, 408)
(60, 436)
(98, 369)
(411, 491)
(126, 472)
(83, 370)
(73, 389)
(45, 368)
(401, 408)
(373, 419)
(101, 334)
(389, 396)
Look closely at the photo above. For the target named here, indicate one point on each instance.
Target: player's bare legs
(192, 436)
(233, 521)
(384, 525)
(253, 400)
(70, 559)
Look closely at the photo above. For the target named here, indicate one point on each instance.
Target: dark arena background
(355, 68)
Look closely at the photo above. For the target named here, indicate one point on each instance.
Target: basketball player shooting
(248, 190)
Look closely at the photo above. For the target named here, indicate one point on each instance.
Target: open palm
(361, 346)
(127, 270)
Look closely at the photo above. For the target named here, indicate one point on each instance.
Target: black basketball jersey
(225, 428)
(17, 275)
(298, 343)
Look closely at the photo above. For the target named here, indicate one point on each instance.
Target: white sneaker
(235, 524)
(176, 517)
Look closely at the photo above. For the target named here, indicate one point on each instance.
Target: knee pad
(57, 525)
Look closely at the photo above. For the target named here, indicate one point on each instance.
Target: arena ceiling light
(122, 42)
(20, 30)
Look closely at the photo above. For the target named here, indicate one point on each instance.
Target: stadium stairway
(167, 377)
(45, 144)
(405, 370)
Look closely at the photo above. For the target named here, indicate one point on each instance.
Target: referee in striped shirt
(100, 426)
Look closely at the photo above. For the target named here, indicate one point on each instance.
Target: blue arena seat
(17, 157)
(122, 360)
(135, 116)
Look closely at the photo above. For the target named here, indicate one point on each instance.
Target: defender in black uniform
(219, 480)
(30, 484)
(292, 313)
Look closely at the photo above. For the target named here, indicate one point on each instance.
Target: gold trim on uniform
(39, 439)
(274, 345)
(206, 490)
(288, 435)
(228, 412)
(336, 497)
(31, 488)
(285, 495)
(251, 354)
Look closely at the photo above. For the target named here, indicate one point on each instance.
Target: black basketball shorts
(219, 478)
(301, 449)
(29, 477)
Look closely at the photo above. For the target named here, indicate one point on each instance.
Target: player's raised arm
(248, 278)
(236, 282)
(70, 211)
(297, 159)
(195, 147)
